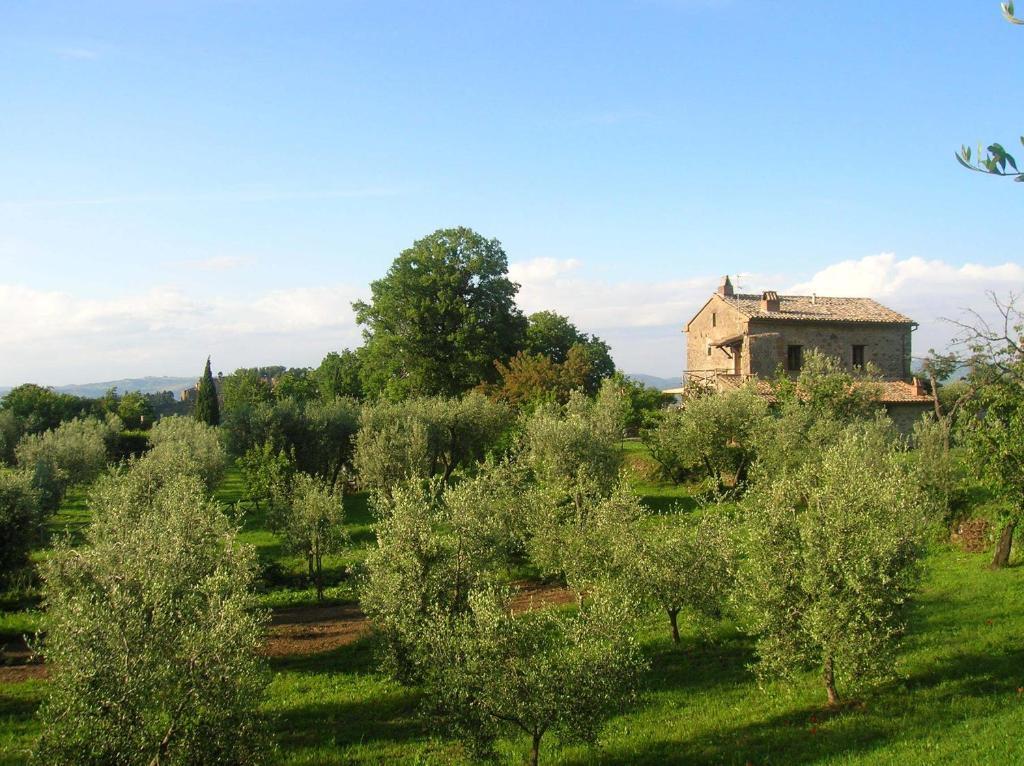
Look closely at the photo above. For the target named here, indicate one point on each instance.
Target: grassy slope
(957, 699)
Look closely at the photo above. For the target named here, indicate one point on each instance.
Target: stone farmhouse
(737, 337)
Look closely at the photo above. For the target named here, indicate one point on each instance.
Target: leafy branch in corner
(996, 160)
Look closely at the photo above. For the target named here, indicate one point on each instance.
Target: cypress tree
(207, 409)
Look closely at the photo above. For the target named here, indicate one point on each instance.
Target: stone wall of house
(887, 346)
(716, 321)
(905, 414)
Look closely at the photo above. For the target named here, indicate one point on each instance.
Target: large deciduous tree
(554, 336)
(441, 316)
(339, 375)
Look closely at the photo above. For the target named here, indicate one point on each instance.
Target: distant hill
(147, 385)
(654, 381)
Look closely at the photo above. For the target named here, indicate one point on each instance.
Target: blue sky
(183, 178)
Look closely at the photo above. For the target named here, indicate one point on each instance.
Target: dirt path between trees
(314, 629)
(298, 631)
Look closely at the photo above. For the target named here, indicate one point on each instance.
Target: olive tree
(992, 423)
(580, 539)
(938, 471)
(427, 437)
(434, 546)
(996, 160)
(711, 435)
(21, 521)
(267, 473)
(313, 524)
(578, 444)
(75, 452)
(152, 634)
(491, 671)
(194, 439)
(830, 560)
(680, 565)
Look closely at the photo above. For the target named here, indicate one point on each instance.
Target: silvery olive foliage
(75, 452)
(491, 671)
(831, 559)
(427, 437)
(152, 634)
(313, 524)
(267, 474)
(937, 469)
(582, 539)
(21, 521)
(680, 565)
(188, 440)
(578, 444)
(434, 546)
(712, 435)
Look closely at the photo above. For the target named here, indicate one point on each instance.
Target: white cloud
(595, 304)
(927, 291)
(643, 320)
(54, 337)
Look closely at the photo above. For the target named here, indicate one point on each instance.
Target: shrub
(152, 635)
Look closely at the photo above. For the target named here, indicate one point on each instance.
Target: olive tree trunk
(535, 749)
(829, 677)
(1002, 557)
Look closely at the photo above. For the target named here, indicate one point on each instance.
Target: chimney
(769, 301)
(725, 289)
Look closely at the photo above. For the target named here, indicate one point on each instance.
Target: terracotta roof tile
(819, 308)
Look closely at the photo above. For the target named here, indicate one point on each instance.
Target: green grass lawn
(957, 696)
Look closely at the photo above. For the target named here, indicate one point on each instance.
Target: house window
(794, 358)
(714, 319)
(858, 356)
